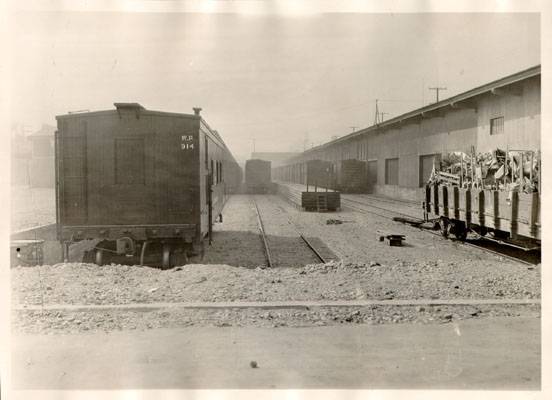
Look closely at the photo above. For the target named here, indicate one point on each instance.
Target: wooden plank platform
(321, 200)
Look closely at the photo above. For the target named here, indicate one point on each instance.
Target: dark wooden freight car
(258, 176)
(140, 180)
(351, 176)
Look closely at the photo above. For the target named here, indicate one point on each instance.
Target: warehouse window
(212, 172)
(392, 171)
(215, 173)
(497, 126)
(129, 161)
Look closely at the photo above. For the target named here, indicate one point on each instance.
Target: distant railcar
(145, 183)
(351, 176)
(320, 173)
(258, 176)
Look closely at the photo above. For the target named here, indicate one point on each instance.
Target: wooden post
(506, 157)
(521, 180)
(531, 169)
(461, 170)
(512, 161)
(472, 165)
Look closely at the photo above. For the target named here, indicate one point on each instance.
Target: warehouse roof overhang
(458, 101)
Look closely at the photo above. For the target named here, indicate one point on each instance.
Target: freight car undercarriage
(154, 245)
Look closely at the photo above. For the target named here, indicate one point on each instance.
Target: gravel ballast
(80, 283)
(52, 322)
(426, 268)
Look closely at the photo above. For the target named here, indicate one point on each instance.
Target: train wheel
(98, 259)
(460, 230)
(179, 258)
(166, 261)
(462, 235)
(444, 227)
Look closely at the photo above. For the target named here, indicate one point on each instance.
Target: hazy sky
(275, 78)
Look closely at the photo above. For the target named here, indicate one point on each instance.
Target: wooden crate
(321, 201)
(309, 200)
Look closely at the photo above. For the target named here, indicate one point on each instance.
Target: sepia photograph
(272, 195)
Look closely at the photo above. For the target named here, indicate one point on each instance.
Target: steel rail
(380, 208)
(307, 242)
(381, 199)
(472, 245)
(263, 234)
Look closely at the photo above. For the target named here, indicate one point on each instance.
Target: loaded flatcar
(258, 176)
(147, 185)
(513, 216)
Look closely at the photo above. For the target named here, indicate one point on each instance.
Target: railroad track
(262, 234)
(264, 238)
(368, 207)
(480, 244)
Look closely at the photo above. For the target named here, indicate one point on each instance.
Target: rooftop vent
(128, 106)
(137, 108)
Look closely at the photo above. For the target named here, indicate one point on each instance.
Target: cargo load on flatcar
(496, 192)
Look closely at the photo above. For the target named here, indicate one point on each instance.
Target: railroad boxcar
(258, 176)
(320, 173)
(351, 176)
(145, 183)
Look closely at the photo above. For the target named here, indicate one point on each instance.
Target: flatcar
(142, 183)
(511, 216)
(258, 176)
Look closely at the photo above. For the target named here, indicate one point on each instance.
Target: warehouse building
(400, 152)
(276, 158)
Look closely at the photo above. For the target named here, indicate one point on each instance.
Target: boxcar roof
(141, 110)
(126, 106)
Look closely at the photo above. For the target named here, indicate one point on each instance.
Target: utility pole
(437, 88)
(253, 140)
(376, 117)
(353, 128)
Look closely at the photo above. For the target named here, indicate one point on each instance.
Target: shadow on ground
(236, 248)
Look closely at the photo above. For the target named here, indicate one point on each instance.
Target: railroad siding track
(389, 209)
(284, 244)
(367, 206)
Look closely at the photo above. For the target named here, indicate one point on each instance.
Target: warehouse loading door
(426, 166)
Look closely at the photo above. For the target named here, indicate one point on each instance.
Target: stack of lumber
(298, 195)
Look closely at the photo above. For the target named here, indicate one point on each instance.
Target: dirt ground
(428, 267)
(492, 353)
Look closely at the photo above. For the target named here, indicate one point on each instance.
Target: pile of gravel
(78, 283)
